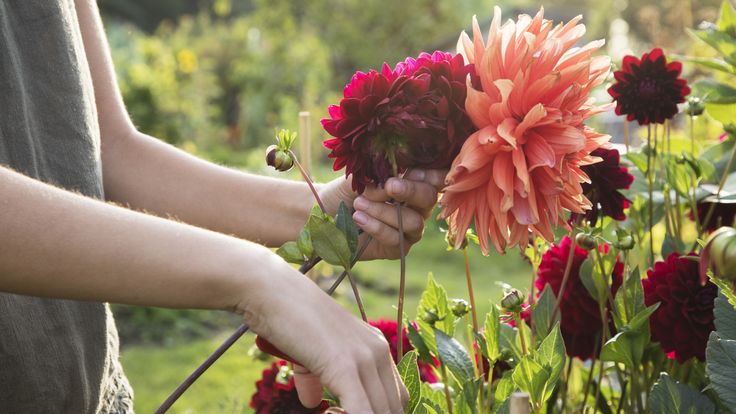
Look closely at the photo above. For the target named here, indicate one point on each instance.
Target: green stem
(308, 181)
(478, 362)
(356, 293)
(712, 207)
(446, 386)
(565, 277)
(517, 318)
(650, 189)
(402, 282)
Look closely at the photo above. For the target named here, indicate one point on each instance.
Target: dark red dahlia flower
(684, 318)
(606, 178)
(723, 215)
(388, 328)
(579, 314)
(648, 89)
(413, 115)
(276, 393)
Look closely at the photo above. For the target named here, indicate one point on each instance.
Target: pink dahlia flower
(523, 166)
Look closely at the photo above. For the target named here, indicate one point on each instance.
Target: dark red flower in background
(606, 178)
(684, 318)
(723, 215)
(648, 89)
(579, 314)
(414, 113)
(388, 328)
(276, 394)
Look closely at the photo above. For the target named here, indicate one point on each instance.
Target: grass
(155, 370)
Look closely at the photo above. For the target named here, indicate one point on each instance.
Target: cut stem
(356, 293)
(650, 188)
(517, 318)
(308, 181)
(402, 283)
(565, 277)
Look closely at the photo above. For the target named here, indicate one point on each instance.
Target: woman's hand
(349, 357)
(377, 217)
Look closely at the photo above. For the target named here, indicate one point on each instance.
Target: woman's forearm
(58, 244)
(150, 175)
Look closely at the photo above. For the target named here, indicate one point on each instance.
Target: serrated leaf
(507, 341)
(670, 397)
(290, 252)
(409, 373)
(725, 317)
(531, 378)
(543, 311)
(418, 343)
(492, 331)
(504, 388)
(329, 242)
(434, 397)
(467, 401)
(551, 355)
(642, 317)
(720, 357)
(434, 299)
(304, 243)
(345, 223)
(454, 356)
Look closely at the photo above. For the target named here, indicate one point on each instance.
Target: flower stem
(650, 188)
(402, 282)
(356, 293)
(517, 318)
(242, 329)
(446, 386)
(712, 207)
(626, 135)
(473, 312)
(565, 277)
(308, 181)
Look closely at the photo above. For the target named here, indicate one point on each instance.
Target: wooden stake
(305, 141)
(519, 403)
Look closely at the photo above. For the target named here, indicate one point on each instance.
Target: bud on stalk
(719, 254)
(278, 159)
(512, 301)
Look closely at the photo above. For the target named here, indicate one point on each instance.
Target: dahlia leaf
(551, 355)
(454, 356)
(727, 18)
(290, 252)
(508, 339)
(719, 154)
(642, 317)
(329, 242)
(543, 310)
(672, 245)
(725, 317)
(713, 91)
(504, 388)
(409, 372)
(468, 401)
(434, 300)
(629, 300)
(720, 356)
(304, 243)
(712, 63)
(639, 160)
(345, 223)
(434, 397)
(593, 280)
(531, 377)
(670, 397)
(722, 113)
(492, 333)
(618, 349)
(679, 176)
(720, 41)
(418, 342)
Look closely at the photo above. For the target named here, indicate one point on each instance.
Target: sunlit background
(216, 77)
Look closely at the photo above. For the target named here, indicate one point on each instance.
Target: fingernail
(396, 186)
(417, 175)
(361, 203)
(360, 218)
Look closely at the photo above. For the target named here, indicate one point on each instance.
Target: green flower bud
(278, 159)
(512, 301)
(430, 317)
(451, 239)
(720, 253)
(585, 241)
(460, 307)
(624, 240)
(284, 375)
(695, 106)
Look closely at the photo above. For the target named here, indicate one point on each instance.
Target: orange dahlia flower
(519, 171)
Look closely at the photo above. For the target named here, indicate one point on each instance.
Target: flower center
(648, 89)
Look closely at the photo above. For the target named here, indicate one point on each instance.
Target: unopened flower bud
(624, 240)
(460, 307)
(451, 238)
(430, 317)
(284, 375)
(695, 106)
(512, 301)
(278, 159)
(585, 241)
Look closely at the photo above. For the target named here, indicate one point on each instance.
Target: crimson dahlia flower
(648, 89)
(389, 328)
(580, 317)
(412, 115)
(522, 167)
(276, 393)
(606, 178)
(684, 318)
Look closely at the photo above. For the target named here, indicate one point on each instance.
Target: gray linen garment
(56, 356)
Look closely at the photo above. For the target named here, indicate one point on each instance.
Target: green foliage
(670, 397)
(454, 356)
(543, 310)
(409, 372)
(720, 353)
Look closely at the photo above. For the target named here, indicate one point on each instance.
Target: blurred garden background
(216, 77)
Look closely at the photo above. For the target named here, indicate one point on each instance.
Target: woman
(66, 146)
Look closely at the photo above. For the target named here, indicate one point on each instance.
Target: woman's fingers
(418, 195)
(387, 221)
(308, 387)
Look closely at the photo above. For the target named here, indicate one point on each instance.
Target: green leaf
(344, 222)
(619, 349)
(467, 403)
(454, 356)
(639, 159)
(712, 91)
(304, 243)
(628, 345)
(531, 377)
(593, 280)
(727, 19)
(629, 300)
(720, 41)
(329, 242)
(725, 318)
(409, 372)
(492, 332)
(508, 341)
(723, 113)
(434, 299)
(670, 397)
(720, 357)
(719, 154)
(712, 63)
(543, 311)
(290, 252)
(504, 388)
(434, 397)
(642, 317)
(551, 355)
(418, 342)
(672, 245)
(679, 176)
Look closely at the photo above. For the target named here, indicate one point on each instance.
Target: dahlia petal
(539, 153)
(503, 176)
(477, 105)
